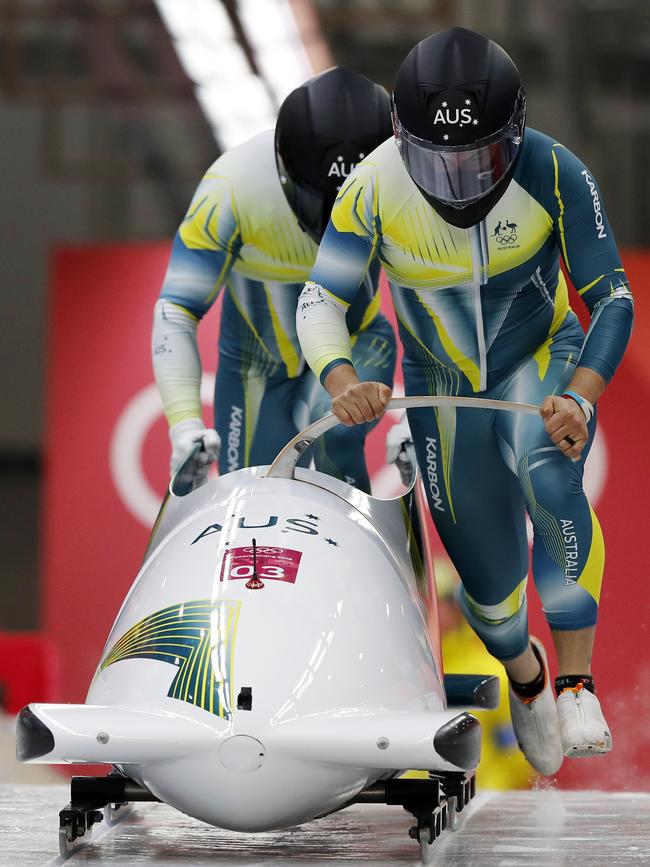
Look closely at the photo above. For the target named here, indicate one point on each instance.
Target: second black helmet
(324, 128)
(459, 113)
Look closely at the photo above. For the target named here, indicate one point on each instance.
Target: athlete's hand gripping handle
(285, 462)
(355, 402)
(566, 424)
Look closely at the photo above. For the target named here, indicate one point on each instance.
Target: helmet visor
(463, 174)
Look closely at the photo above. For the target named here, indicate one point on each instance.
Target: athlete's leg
(275, 424)
(340, 452)
(568, 550)
(251, 403)
(479, 512)
(252, 414)
(235, 380)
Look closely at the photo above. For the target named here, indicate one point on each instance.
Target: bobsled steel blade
(436, 741)
(68, 733)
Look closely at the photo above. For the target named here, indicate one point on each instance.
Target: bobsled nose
(242, 754)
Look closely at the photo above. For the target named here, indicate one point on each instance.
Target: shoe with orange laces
(535, 721)
(583, 728)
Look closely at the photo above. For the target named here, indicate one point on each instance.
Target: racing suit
(240, 232)
(485, 311)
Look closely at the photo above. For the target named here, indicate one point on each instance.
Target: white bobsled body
(258, 691)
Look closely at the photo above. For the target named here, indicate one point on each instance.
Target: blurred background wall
(111, 110)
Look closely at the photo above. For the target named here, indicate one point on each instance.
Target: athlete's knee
(547, 477)
(503, 627)
(340, 453)
(568, 564)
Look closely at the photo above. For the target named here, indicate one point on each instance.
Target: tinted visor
(311, 207)
(463, 174)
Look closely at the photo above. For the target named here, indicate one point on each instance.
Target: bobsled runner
(277, 658)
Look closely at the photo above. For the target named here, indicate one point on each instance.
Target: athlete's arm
(344, 256)
(204, 250)
(593, 263)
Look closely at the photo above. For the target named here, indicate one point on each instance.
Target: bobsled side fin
(33, 737)
(472, 690)
(96, 734)
(459, 741)
(427, 740)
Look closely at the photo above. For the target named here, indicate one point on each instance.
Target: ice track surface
(508, 829)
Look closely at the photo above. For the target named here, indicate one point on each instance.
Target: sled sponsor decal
(196, 637)
(273, 564)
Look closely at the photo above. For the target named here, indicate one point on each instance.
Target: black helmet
(324, 128)
(459, 113)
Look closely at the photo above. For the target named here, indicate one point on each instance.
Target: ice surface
(546, 827)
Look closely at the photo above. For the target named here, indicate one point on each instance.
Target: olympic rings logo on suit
(505, 233)
(506, 239)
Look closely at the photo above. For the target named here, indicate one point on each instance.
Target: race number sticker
(273, 564)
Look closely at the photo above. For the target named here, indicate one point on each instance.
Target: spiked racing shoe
(536, 722)
(583, 728)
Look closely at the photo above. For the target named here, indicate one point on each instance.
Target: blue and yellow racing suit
(240, 232)
(485, 311)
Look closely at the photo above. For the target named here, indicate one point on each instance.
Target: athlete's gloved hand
(400, 450)
(184, 436)
(564, 418)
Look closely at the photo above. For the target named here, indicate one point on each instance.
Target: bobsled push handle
(284, 465)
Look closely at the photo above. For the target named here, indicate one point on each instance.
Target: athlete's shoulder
(386, 166)
(253, 158)
(536, 157)
(379, 185)
(224, 195)
(548, 171)
(248, 176)
(545, 158)
(385, 157)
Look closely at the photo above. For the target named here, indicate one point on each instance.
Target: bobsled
(277, 658)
